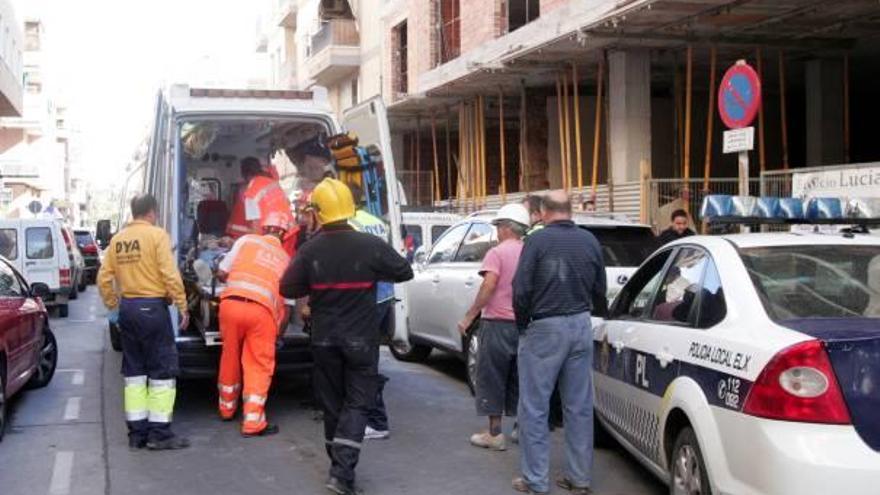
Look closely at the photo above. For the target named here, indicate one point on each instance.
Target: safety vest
(255, 272)
(363, 221)
(265, 193)
(535, 228)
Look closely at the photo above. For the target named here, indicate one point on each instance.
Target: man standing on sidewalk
(560, 272)
(497, 384)
(140, 263)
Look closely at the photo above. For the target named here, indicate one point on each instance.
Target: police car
(748, 363)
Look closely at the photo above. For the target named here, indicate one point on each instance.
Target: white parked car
(748, 364)
(447, 279)
(42, 250)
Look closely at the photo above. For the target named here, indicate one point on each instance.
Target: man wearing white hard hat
(497, 386)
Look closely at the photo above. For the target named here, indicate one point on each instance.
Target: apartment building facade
(35, 145)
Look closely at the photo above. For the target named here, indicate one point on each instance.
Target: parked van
(37, 249)
(198, 139)
(422, 228)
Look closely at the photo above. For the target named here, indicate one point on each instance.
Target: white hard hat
(515, 212)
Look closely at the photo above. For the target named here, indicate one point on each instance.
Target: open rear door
(369, 121)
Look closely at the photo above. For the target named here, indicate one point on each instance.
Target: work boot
(269, 430)
(136, 443)
(172, 443)
(340, 487)
(489, 441)
(373, 434)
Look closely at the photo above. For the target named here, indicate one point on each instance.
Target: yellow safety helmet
(333, 201)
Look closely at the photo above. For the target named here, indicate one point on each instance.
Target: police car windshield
(816, 281)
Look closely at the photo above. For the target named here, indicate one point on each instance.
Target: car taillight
(798, 384)
(64, 276)
(90, 249)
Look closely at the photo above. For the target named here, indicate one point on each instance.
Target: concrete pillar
(824, 112)
(629, 93)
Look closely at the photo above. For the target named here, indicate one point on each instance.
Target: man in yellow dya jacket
(140, 263)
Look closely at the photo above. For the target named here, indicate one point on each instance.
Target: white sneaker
(487, 441)
(371, 434)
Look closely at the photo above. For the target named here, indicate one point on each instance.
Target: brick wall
(481, 21)
(548, 5)
(418, 15)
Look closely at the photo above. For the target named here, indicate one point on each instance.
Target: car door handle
(435, 279)
(618, 346)
(665, 357)
(30, 263)
(469, 282)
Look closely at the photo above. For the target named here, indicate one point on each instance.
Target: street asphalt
(70, 437)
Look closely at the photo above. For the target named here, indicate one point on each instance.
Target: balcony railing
(335, 32)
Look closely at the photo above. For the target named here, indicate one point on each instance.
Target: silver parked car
(447, 279)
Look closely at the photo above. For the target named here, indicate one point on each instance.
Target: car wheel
(74, 294)
(83, 284)
(410, 353)
(47, 361)
(471, 351)
(115, 338)
(687, 468)
(2, 406)
(63, 310)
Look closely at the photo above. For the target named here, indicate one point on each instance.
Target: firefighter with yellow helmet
(339, 270)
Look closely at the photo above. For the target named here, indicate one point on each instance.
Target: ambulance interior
(211, 155)
(211, 152)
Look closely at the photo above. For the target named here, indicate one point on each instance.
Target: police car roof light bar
(722, 208)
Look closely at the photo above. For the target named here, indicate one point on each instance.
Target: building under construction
(615, 100)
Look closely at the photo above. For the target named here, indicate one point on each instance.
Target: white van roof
(184, 99)
(410, 217)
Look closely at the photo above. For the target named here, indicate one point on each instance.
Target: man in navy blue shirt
(560, 279)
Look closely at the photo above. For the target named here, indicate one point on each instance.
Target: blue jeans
(557, 347)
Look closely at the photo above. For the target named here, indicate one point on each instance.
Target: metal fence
(418, 187)
(663, 192)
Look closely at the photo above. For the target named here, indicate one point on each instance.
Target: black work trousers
(346, 382)
(150, 367)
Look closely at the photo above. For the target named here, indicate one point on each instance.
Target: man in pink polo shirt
(497, 384)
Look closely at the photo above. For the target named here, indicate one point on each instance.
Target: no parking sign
(739, 96)
(739, 101)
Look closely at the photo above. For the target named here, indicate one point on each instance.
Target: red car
(28, 350)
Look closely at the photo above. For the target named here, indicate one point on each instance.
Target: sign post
(739, 98)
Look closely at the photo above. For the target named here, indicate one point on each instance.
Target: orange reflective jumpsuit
(262, 196)
(251, 312)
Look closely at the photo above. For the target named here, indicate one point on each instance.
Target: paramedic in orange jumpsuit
(262, 197)
(252, 313)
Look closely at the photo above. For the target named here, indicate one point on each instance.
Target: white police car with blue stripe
(748, 364)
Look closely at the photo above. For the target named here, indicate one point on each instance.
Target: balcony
(334, 51)
(285, 14)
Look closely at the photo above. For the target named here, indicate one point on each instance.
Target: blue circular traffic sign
(739, 96)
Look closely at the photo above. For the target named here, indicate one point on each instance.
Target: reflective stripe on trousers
(228, 399)
(160, 400)
(255, 399)
(135, 397)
